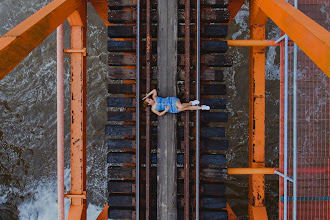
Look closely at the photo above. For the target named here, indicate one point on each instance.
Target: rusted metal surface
(311, 37)
(78, 113)
(17, 43)
(60, 122)
(186, 120)
(148, 80)
(257, 117)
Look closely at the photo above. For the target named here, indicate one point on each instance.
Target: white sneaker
(205, 107)
(195, 102)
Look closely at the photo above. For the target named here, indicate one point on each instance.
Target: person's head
(147, 102)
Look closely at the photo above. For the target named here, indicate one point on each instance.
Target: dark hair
(145, 104)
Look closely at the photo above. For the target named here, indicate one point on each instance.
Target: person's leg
(190, 108)
(186, 104)
(182, 105)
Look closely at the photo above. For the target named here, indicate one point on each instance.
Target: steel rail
(137, 137)
(60, 122)
(187, 97)
(148, 70)
(294, 211)
(198, 20)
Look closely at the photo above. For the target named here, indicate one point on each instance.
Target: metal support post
(286, 85)
(294, 212)
(257, 209)
(78, 23)
(60, 123)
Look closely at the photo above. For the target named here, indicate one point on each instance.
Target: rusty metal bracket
(69, 195)
(83, 51)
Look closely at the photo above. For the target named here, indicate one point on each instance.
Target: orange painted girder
(104, 214)
(231, 214)
(258, 213)
(78, 22)
(75, 212)
(257, 16)
(256, 111)
(234, 6)
(101, 7)
(17, 43)
(78, 114)
(252, 43)
(246, 171)
(311, 37)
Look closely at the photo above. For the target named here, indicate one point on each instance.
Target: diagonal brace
(312, 38)
(16, 44)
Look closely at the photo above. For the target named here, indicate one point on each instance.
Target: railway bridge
(174, 166)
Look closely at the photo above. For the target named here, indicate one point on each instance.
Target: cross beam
(311, 37)
(17, 43)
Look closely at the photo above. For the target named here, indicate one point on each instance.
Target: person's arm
(160, 113)
(153, 93)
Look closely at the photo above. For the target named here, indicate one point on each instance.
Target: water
(237, 130)
(28, 120)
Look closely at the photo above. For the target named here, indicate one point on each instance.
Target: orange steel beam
(101, 7)
(312, 38)
(76, 213)
(257, 208)
(17, 43)
(252, 43)
(78, 22)
(258, 213)
(104, 214)
(234, 6)
(257, 16)
(246, 171)
(231, 214)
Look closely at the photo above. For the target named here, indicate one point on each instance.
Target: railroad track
(132, 132)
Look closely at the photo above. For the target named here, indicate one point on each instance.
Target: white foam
(241, 19)
(43, 205)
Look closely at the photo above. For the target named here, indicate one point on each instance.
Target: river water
(28, 187)
(237, 131)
